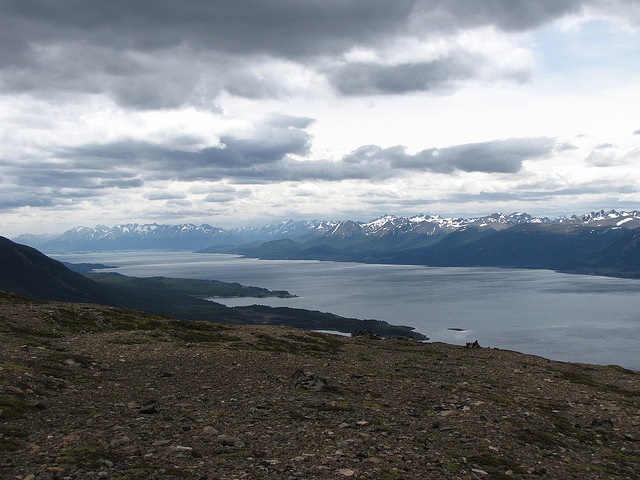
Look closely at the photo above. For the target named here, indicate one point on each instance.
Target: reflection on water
(565, 317)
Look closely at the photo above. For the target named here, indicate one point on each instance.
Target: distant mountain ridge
(135, 236)
(418, 230)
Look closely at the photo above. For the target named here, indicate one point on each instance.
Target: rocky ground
(95, 392)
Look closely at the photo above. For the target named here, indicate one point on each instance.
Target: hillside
(28, 272)
(97, 392)
(558, 247)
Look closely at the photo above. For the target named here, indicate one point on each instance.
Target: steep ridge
(28, 272)
(620, 255)
(559, 247)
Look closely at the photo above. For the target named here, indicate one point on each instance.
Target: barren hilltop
(97, 392)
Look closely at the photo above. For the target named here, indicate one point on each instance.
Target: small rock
(70, 438)
(120, 442)
(346, 472)
(368, 334)
(180, 448)
(309, 381)
(448, 413)
(229, 441)
(150, 406)
(161, 443)
(604, 423)
(210, 431)
(479, 472)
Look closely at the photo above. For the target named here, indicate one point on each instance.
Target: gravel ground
(95, 392)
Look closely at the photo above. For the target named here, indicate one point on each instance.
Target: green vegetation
(583, 379)
(83, 457)
(8, 438)
(184, 286)
(12, 405)
(298, 344)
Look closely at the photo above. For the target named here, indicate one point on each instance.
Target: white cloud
(211, 113)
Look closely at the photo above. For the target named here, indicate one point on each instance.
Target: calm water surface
(559, 316)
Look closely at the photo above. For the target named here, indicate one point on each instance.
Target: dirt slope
(95, 392)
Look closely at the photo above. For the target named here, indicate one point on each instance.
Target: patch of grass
(153, 471)
(26, 336)
(496, 464)
(623, 466)
(555, 431)
(540, 438)
(9, 445)
(96, 319)
(117, 319)
(14, 367)
(199, 332)
(391, 475)
(129, 341)
(13, 406)
(8, 438)
(298, 344)
(317, 342)
(583, 379)
(274, 344)
(620, 369)
(84, 456)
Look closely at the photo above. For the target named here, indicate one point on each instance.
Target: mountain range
(602, 242)
(191, 237)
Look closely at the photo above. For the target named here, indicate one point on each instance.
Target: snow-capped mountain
(195, 237)
(437, 225)
(603, 218)
(285, 229)
(134, 236)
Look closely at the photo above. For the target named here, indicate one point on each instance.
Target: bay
(559, 316)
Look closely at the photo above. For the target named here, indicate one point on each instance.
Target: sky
(247, 112)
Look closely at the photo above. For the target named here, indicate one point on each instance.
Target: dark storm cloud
(283, 28)
(255, 161)
(154, 54)
(499, 156)
(273, 141)
(165, 195)
(371, 78)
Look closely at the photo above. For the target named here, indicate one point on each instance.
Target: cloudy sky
(252, 111)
